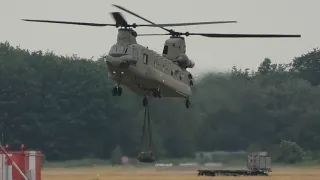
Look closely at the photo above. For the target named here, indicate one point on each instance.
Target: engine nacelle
(184, 62)
(191, 64)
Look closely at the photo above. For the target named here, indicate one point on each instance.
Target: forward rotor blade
(186, 24)
(69, 22)
(244, 35)
(132, 13)
(119, 19)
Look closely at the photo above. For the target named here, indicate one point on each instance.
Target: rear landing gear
(187, 103)
(157, 93)
(117, 91)
(145, 101)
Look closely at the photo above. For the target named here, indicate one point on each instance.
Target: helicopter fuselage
(143, 71)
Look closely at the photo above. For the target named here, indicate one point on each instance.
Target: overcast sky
(253, 16)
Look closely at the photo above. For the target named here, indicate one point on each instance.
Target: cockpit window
(165, 50)
(118, 51)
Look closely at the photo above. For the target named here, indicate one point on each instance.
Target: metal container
(259, 162)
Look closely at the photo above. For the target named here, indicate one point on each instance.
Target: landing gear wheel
(119, 91)
(115, 91)
(159, 93)
(187, 103)
(145, 102)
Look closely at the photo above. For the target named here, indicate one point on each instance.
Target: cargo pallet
(231, 173)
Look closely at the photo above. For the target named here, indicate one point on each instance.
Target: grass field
(107, 173)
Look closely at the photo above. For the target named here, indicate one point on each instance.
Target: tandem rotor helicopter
(146, 72)
(149, 73)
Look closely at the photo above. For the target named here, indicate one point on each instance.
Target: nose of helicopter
(120, 62)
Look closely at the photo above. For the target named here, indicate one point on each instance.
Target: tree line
(63, 106)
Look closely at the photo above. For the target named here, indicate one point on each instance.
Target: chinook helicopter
(147, 72)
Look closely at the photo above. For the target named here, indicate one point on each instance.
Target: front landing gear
(188, 103)
(117, 91)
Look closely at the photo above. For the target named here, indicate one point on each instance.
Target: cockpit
(118, 51)
(122, 56)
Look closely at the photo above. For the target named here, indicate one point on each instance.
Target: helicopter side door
(141, 66)
(135, 54)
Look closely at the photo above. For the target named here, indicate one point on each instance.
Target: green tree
(308, 66)
(290, 152)
(63, 106)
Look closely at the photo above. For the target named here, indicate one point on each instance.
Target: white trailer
(258, 164)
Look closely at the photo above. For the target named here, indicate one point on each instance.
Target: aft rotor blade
(132, 13)
(213, 35)
(119, 19)
(69, 22)
(153, 34)
(186, 24)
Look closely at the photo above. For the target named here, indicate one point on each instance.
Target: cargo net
(146, 155)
